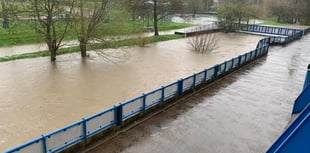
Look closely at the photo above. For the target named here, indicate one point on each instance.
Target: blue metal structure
(307, 79)
(115, 116)
(285, 35)
(304, 98)
(306, 31)
(296, 137)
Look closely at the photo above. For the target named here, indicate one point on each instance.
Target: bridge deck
(244, 112)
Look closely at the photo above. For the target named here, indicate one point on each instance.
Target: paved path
(20, 49)
(245, 112)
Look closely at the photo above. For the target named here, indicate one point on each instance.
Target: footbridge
(239, 105)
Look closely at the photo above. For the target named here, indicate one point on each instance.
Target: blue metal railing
(286, 35)
(296, 137)
(114, 116)
(306, 31)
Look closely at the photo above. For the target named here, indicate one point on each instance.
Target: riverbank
(107, 44)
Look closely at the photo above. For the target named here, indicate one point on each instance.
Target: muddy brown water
(38, 96)
(243, 113)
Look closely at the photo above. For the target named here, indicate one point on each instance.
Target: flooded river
(243, 113)
(38, 96)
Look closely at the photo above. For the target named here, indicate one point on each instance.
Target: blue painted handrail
(296, 137)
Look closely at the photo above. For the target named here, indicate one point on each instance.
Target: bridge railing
(306, 31)
(85, 128)
(285, 35)
(266, 29)
(201, 28)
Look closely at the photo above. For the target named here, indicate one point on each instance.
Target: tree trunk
(155, 19)
(52, 48)
(83, 48)
(82, 39)
(53, 55)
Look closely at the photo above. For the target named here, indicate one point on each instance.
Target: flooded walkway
(38, 96)
(31, 48)
(244, 112)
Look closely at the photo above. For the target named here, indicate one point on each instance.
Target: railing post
(205, 75)
(225, 66)
(143, 101)
(251, 56)
(256, 51)
(44, 144)
(216, 69)
(239, 60)
(118, 114)
(180, 87)
(84, 128)
(304, 32)
(232, 63)
(194, 79)
(307, 79)
(162, 93)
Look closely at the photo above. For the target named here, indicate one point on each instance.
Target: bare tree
(233, 11)
(157, 10)
(137, 8)
(5, 17)
(53, 18)
(202, 43)
(161, 9)
(87, 20)
(281, 9)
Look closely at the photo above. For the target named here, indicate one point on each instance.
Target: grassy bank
(22, 31)
(272, 21)
(112, 44)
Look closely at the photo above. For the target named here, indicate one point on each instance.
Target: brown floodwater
(245, 112)
(38, 96)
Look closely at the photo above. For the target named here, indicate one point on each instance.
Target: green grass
(272, 21)
(22, 31)
(113, 44)
(172, 25)
(136, 41)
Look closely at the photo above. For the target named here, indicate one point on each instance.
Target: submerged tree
(86, 21)
(203, 43)
(53, 20)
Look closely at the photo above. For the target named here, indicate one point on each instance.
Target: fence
(306, 31)
(202, 28)
(85, 128)
(285, 35)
